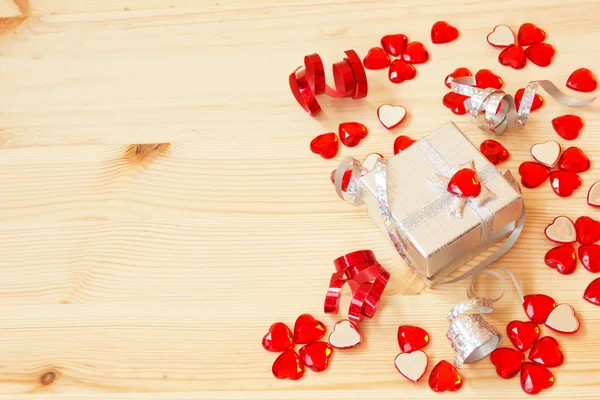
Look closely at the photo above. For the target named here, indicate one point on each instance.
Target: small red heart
(455, 102)
(562, 258)
(493, 151)
(533, 174)
(325, 145)
(589, 254)
(573, 159)
(445, 377)
(546, 351)
(459, 72)
(538, 307)
(582, 80)
(564, 183)
(351, 133)
(415, 53)
(443, 32)
(279, 338)
(592, 292)
(507, 361)
(345, 178)
(513, 56)
(307, 329)
(530, 34)
(540, 54)
(464, 183)
(316, 355)
(402, 142)
(588, 230)
(288, 365)
(538, 100)
(522, 334)
(567, 126)
(376, 58)
(485, 79)
(401, 71)
(394, 44)
(535, 378)
(412, 338)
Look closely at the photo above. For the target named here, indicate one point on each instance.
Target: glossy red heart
(394, 44)
(587, 229)
(443, 32)
(412, 338)
(538, 307)
(316, 355)
(401, 71)
(493, 151)
(562, 258)
(485, 79)
(507, 361)
(445, 377)
(325, 145)
(546, 351)
(535, 378)
(307, 329)
(540, 54)
(455, 102)
(513, 56)
(589, 254)
(351, 133)
(464, 183)
(459, 72)
(567, 126)
(522, 334)
(345, 178)
(415, 53)
(279, 338)
(564, 183)
(573, 159)
(530, 34)
(582, 80)
(288, 365)
(533, 174)
(538, 100)
(402, 142)
(376, 58)
(592, 292)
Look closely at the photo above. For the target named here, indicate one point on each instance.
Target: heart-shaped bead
(455, 102)
(279, 338)
(345, 335)
(582, 80)
(538, 100)
(464, 183)
(561, 230)
(351, 133)
(501, 36)
(540, 54)
(507, 361)
(391, 116)
(567, 126)
(564, 183)
(394, 44)
(493, 151)
(459, 72)
(546, 351)
(573, 159)
(562, 258)
(513, 56)
(376, 58)
(522, 334)
(443, 32)
(401, 71)
(592, 292)
(486, 79)
(325, 145)
(563, 319)
(533, 174)
(345, 178)
(445, 377)
(401, 143)
(412, 365)
(587, 229)
(589, 255)
(316, 355)
(412, 338)
(535, 378)
(530, 34)
(288, 365)
(415, 53)
(307, 329)
(538, 307)
(593, 197)
(546, 153)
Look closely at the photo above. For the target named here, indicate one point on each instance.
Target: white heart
(344, 335)
(412, 365)
(390, 116)
(593, 197)
(561, 230)
(501, 36)
(546, 153)
(562, 319)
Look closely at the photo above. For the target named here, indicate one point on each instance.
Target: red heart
(522, 334)
(592, 292)
(567, 126)
(589, 254)
(582, 80)
(513, 56)
(307, 329)
(533, 174)
(415, 53)
(538, 100)
(279, 338)
(443, 32)
(538, 307)
(412, 338)
(351, 133)
(345, 178)
(562, 258)
(540, 54)
(316, 355)
(325, 145)
(464, 183)
(564, 183)
(535, 378)
(573, 159)
(459, 72)
(401, 71)
(546, 351)
(507, 361)
(487, 79)
(530, 34)
(394, 44)
(455, 102)
(493, 151)
(588, 230)
(376, 58)
(402, 142)
(445, 377)
(288, 365)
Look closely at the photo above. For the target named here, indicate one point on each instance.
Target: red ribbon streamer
(367, 280)
(309, 81)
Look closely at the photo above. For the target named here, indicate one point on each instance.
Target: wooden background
(157, 269)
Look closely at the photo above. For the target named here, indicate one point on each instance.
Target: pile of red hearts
(484, 79)
(397, 45)
(514, 54)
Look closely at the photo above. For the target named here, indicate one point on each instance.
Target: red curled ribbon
(309, 81)
(367, 280)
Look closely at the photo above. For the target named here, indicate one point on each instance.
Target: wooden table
(127, 267)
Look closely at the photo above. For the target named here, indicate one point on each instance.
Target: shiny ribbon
(494, 111)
